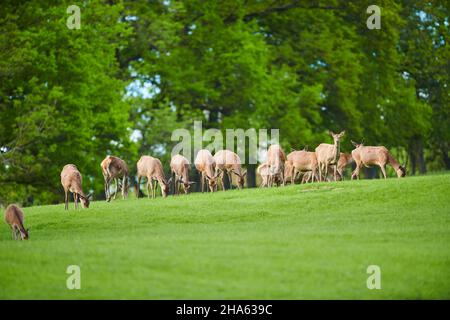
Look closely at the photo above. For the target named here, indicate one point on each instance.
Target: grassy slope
(312, 241)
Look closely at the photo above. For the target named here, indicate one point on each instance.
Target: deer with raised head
(368, 156)
(114, 168)
(229, 162)
(275, 160)
(206, 166)
(302, 161)
(14, 218)
(180, 166)
(328, 154)
(71, 181)
(152, 169)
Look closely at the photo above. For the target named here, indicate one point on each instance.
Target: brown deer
(275, 160)
(180, 166)
(328, 154)
(205, 164)
(14, 218)
(303, 161)
(71, 181)
(114, 168)
(264, 172)
(374, 156)
(229, 162)
(344, 160)
(288, 170)
(152, 169)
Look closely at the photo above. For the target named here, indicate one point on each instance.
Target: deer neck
(336, 149)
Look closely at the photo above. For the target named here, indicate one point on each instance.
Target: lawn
(311, 241)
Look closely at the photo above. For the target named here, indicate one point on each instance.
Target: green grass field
(297, 242)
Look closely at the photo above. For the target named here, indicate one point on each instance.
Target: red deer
(14, 218)
(263, 171)
(374, 156)
(205, 164)
(114, 168)
(71, 181)
(328, 154)
(288, 170)
(303, 161)
(152, 169)
(275, 160)
(229, 162)
(179, 166)
(344, 160)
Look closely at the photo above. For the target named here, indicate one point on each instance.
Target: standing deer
(328, 154)
(303, 161)
(288, 170)
(374, 156)
(71, 181)
(14, 218)
(152, 169)
(275, 160)
(205, 164)
(229, 162)
(114, 168)
(179, 166)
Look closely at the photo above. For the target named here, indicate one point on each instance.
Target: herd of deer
(279, 169)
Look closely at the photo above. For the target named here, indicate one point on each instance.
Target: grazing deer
(229, 162)
(205, 164)
(114, 168)
(288, 170)
(179, 166)
(71, 181)
(152, 169)
(344, 160)
(264, 172)
(374, 156)
(14, 218)
(328, 154)
(303, 161)
(275, 160)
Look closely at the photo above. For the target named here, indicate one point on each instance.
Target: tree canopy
(137, 70)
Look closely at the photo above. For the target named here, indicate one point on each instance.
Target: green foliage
(148, 67)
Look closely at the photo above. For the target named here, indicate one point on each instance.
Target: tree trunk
(446, 158)
(251, 176)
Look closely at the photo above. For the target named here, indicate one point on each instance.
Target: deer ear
(342, 133)
(330, 132)
(192, 182)
(90, 196)
(244, 174)
(170, 181)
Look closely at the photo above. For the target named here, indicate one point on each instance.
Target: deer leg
(13, 233)
(383, 170)
(106, 189)
(124, 187)
(335, 170)
(155, 186)
(66, 200)
(75, 200)
(148, 188)
(202, 181)
(138, 187)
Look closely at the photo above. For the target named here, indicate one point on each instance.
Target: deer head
(85, 201)
(336, 136)
(212, 182)
(401, 171)
(165, 187)
(24, 234)
(186, 185)
(356, 145)
(240, 179)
